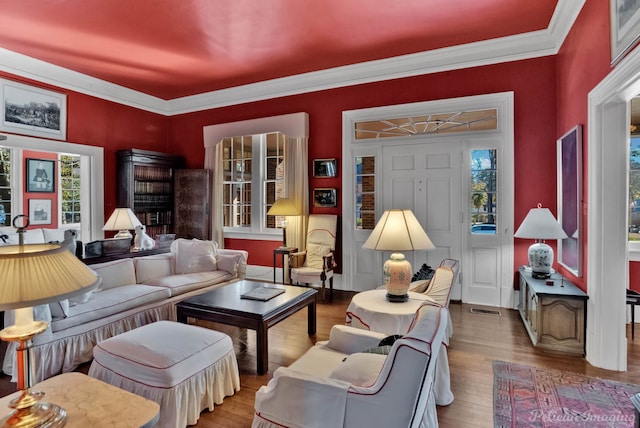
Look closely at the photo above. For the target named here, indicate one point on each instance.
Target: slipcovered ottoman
(183, 368)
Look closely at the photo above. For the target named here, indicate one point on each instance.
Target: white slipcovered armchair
(316, 263)
(335, 384)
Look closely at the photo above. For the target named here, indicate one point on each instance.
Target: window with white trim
(70, 212)
(5, 187)
(254, 177)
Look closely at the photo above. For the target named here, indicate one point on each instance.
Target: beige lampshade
(398, 230)
(540, 224)
(122, 219)
(283, 206)
(34, 274)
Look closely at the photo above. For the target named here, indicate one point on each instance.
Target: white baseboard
(265, 273)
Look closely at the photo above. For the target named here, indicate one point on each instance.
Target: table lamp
(283, 207)
(35, 274)
(398, 230)
(123, 220)
(540, 224)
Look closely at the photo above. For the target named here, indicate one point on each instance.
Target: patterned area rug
(527, 397)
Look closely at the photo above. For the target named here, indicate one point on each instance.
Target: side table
(370, 310)
(92, 403)
(284, 251)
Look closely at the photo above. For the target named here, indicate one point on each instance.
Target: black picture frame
(325, 197)
(325, 168)
(41, 176)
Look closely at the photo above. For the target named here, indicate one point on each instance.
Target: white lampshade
(122, 220)
(398, 230)
(34, 274)
(540, 224)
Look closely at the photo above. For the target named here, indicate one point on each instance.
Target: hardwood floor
(478, 339)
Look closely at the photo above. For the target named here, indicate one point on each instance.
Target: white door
(431, 174)
(426, 177)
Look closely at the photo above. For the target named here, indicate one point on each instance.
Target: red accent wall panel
(33, 197)
(583, 61)
(532, 81)
(97, 122)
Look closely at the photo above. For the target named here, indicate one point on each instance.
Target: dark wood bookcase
(146, 185)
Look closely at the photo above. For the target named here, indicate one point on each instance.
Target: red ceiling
(174, 48)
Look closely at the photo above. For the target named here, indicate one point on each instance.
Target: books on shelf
(263, 293)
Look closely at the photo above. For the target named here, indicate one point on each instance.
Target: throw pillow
(425, 272)
(189, 253)
(315, 254)
(116, 273)
(152, 267)
(390, 340)
(381, 350)
(59, 309)
(229, 263)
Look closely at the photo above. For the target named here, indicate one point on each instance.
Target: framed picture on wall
(33, 111)
(569, 155)
(625, 27)
(325, 168)
(324, 198)
(41, 175)
(40, 211)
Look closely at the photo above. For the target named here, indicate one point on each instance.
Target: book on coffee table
(263, 293)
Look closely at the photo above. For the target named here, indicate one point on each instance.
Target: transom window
(439, 123)
(254, 177)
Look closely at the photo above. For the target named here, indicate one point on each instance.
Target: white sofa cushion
(53, 235)
(180, 284)
(192, 256)
(116, 273)
(360, 369)
(111, 301)
(151, 267)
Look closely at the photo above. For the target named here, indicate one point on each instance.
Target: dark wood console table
(555, 315)
(102, 259)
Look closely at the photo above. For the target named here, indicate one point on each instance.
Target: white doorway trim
(607, 254)
(503, 101)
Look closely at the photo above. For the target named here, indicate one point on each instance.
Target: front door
(426, 177)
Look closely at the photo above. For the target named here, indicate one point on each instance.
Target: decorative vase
(397, 277)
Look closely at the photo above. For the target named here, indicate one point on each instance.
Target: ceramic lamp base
(540, 260)
(397, 277)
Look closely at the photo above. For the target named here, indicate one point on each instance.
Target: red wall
(532, 81)
(28, 196)
(583, 61)
(550, 98)
(96, 122)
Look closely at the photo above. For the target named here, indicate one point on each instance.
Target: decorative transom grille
(441, 123)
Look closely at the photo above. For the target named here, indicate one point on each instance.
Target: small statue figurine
(69, 241)
(142, 241)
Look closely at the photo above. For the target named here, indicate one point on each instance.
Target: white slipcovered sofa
(336, 384)
(133, 292)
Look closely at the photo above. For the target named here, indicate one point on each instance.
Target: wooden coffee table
(224, 305)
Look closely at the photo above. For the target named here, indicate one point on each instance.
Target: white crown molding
(513, 48)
